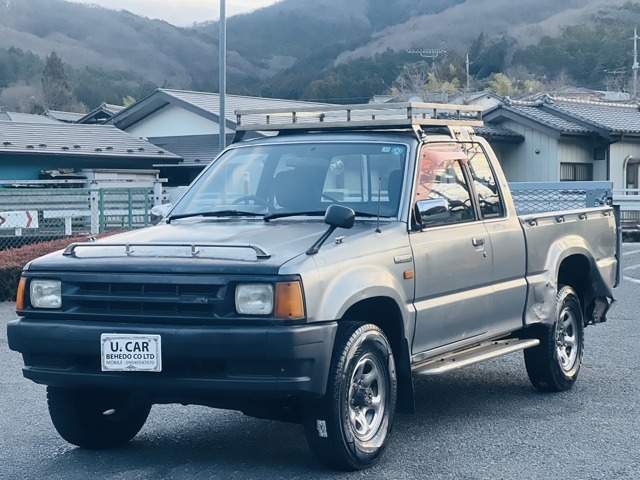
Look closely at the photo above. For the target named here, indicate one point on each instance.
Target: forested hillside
(328, 50)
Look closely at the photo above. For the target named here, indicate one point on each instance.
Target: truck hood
(222, 246)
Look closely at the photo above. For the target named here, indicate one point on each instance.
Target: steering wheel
(251, 198)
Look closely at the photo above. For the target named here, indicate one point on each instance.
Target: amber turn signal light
(20, 294)
(289, 303)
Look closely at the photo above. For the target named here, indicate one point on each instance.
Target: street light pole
(222, 83)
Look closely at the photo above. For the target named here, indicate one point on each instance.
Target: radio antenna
(378, 224)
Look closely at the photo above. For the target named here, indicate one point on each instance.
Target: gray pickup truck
(310, 273)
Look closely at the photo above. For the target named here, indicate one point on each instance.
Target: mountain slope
(297, 48)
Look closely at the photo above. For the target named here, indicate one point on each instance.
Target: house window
(576, 172)
(599, 153)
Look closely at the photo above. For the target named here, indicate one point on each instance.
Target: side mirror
(336, 216)
(432, 211)
(159, 212)
(339, 216)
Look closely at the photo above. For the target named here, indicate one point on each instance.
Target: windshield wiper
(317, 213)
(370, 215)
(218, 213)
(294, 214)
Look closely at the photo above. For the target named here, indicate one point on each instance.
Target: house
(27, 148)
(187, 124)
(485, 98)
(100, 114)
(580, 93)
(568, 140)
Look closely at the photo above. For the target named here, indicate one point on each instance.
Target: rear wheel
(95, 419)
(555, 363)
(348, 429)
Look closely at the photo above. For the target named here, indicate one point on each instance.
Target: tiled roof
(211, 102)
(76, 140)
(193, 149)
(613, 117)
(68, 117)
(26, 118)
(577, 117)
(490, 130)
(202, 103)
(548, 119)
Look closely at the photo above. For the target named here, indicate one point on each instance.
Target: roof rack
(384, 115)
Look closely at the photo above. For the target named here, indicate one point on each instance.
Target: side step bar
(472, 355)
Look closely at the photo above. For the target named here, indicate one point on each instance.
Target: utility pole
(467, 63)
(635, 64)
(222, 83)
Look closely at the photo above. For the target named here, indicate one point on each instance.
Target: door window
(442, 193)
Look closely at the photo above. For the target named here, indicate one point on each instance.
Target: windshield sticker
(396, 150)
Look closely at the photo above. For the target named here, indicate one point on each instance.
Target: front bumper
(198, 361)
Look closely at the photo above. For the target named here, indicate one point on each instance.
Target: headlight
(254, 298)
(45, 293)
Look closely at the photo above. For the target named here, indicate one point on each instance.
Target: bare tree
(23, 98)
(556, 85)
(412, 80)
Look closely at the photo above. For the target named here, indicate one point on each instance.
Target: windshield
(305, 178)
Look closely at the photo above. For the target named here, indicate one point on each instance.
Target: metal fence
(545, 197)
(29, 215)
(629, 201)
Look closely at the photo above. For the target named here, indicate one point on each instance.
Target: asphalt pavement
(481, 422)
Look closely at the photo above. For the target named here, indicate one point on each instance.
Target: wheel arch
(575, 271)
(385, 313)
(574, 266)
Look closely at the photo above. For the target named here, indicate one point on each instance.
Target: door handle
(477, 241)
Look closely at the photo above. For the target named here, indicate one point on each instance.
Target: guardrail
(38, 214)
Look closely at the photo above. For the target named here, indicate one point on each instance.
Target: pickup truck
(310, 273)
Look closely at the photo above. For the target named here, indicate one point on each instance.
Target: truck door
(452, 253)
(507, 241)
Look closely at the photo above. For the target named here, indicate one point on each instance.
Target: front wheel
(348, 429)
(554, 365)
(95, 419)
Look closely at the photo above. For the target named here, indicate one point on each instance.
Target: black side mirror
(339, 216)
(336, 216)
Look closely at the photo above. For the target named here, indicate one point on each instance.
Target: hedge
(13, 260)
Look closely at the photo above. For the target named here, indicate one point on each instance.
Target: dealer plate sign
(130, 353)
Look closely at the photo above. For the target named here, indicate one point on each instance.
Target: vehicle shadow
(198, 442)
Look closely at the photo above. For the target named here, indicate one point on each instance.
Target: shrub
(13, 260)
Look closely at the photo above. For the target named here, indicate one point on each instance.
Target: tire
(349, 427)
(553, 366)
(95, 419)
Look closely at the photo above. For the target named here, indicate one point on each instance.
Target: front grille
(159, 300)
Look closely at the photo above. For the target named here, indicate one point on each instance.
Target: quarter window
(484, 182)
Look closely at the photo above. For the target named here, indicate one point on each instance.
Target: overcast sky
(181, 12)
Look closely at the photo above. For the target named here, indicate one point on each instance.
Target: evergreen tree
(56, 87)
